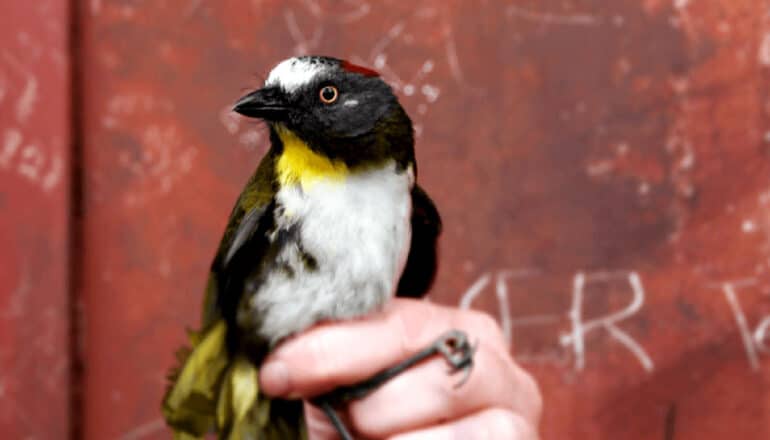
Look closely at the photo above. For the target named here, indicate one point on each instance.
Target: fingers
(427, 395)
(423, 396)
(489, 424)
(348, 352)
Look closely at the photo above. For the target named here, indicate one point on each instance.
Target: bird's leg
(453, 346)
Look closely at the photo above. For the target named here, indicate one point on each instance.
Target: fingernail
(275, 378)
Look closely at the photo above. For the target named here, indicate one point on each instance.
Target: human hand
(499, 401)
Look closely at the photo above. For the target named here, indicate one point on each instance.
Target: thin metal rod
(335, 419)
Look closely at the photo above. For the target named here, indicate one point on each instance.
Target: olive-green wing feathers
(216, 385)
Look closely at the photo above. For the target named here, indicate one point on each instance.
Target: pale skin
(500, 400)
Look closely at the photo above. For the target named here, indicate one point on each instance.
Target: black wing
(422, 263)
(243, 244)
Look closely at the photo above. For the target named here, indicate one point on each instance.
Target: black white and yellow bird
(330, 226)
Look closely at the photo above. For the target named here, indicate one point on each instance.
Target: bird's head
(340, 110)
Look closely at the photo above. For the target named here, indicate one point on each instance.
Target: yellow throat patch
(298, 164)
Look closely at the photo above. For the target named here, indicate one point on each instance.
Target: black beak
(268, 104)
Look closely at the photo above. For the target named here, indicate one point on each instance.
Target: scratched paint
(601, 167)
(34, 221)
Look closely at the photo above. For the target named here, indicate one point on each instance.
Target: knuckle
(362, 420)
(481, 324)
(414, 324)
(369, 418)
(536, 399)
(529, 399)
(502, 424)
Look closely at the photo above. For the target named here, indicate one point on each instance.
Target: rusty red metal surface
(34, 220)
(601, 166)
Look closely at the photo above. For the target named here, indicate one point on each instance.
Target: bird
(330, 226)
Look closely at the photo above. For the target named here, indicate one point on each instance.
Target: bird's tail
(212, 390)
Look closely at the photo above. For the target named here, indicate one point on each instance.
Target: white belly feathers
(357, 231)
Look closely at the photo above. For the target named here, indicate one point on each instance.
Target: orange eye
(328, 94)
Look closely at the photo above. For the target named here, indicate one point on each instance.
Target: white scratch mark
(764, 197)
(380, 60)
(600, 168)
(740, 319)
(764, 50)
(467, 298)
(54, 176)
(748, 226)
(454, 61)
(11, 143)
(362, 10)
(26, 101)
(431, 92)
(3, 88)
(303, 45)
(576, 316)
(760, 335)
(503, 302)
(31, 162)
(388, 38)
(550, 18)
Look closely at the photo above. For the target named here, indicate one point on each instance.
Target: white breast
(357, 231)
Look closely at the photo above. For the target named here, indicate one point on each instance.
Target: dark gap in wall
(75, 222)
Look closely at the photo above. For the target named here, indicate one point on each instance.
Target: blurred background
(602, 167)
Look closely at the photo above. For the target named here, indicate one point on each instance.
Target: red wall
(601, 166)
(34, 220)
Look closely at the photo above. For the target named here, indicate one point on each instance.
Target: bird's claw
(457, 350)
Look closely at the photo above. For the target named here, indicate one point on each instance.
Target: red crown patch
(355, 68)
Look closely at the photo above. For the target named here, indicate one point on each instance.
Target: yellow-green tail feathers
(213, 389)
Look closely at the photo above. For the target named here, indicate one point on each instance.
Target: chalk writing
(32, 157)
(581, 327)
(753, 341)
(507, 322)
(30, 161)
(754, 337)
(760, 335)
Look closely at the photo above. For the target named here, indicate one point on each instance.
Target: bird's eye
(328, 94)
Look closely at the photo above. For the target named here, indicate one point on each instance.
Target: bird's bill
(268, 103)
